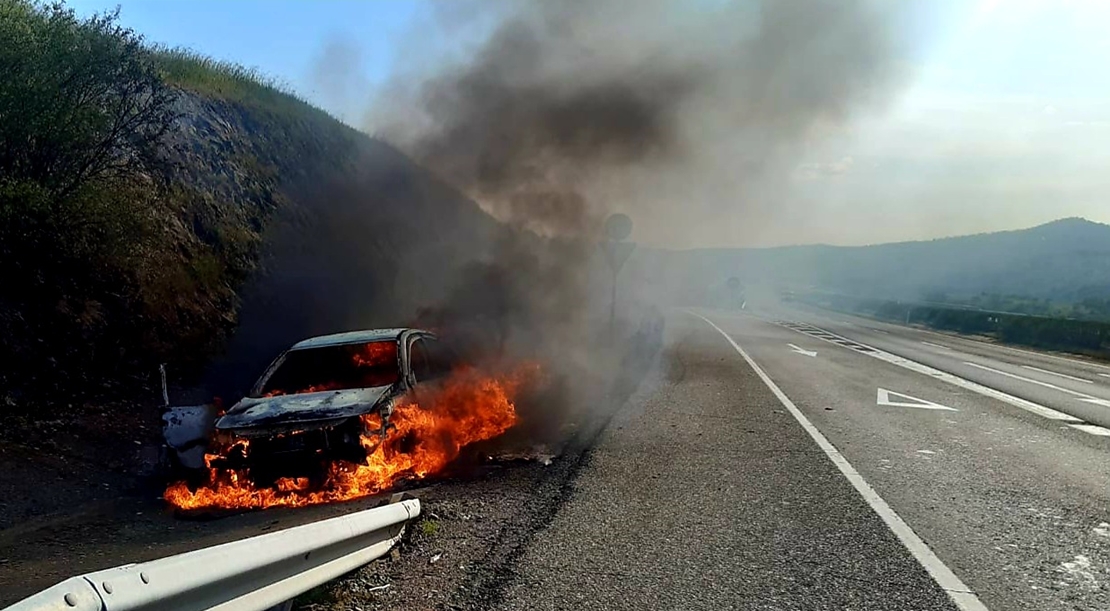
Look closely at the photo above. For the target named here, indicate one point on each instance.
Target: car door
(420, 366)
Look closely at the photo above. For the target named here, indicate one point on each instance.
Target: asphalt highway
(798, 460)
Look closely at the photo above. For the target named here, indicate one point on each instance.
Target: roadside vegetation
(119, 249)
(1091, 306)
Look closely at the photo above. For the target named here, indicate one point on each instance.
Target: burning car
(312, 406)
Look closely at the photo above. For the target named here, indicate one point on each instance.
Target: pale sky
(1006, 125)
(1003, 123)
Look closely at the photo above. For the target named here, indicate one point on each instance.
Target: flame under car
(308, 409)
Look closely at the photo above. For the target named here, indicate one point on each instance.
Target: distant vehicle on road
(313, 405)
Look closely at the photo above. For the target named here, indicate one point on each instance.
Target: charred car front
(317, 401)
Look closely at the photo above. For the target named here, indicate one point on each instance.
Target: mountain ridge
(1063, 260)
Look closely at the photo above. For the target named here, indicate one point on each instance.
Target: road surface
(1073, 385)
(785, 460)
(803, 461)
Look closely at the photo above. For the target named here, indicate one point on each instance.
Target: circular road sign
(618, 226)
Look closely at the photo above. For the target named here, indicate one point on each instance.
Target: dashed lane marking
(1054, 373)
(1092, 429)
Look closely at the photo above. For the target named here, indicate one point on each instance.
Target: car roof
(351, 337)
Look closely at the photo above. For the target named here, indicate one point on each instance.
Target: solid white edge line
(960, 594)
(1054, 373)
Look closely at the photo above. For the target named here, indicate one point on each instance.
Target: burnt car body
(310, 407)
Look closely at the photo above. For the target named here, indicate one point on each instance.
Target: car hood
(302, 408)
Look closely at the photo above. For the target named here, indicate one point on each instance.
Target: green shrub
(116, 259)
(82, 113)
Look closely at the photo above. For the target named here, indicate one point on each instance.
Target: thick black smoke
(666, 110)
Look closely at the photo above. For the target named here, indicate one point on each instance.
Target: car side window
(419, 362)
(440, 359)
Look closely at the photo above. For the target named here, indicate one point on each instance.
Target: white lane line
(1029, 380)
(936, 345)
(1092, 429)
(960, 594)
(964, 338)
(1022, 351)
(1053, 373)
(1029, 406)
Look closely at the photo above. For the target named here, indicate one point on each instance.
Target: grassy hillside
(1066, 261)
(238, 202)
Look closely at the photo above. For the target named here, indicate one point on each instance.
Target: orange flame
(428, 431)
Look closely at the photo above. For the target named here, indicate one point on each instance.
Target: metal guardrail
(249, 575)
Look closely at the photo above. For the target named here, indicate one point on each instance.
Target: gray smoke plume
(560, 113)
(666, 110)
(557, 114)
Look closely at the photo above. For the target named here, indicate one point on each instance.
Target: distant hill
(1066, 260)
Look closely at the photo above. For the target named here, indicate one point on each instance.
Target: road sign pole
(617, 228)
(613, 306)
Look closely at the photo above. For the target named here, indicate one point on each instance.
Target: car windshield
(333, 368)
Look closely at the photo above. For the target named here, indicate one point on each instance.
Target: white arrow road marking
(801, 351)
(884, 395)
(1053, 373)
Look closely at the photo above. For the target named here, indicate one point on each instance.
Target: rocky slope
(340, 230)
